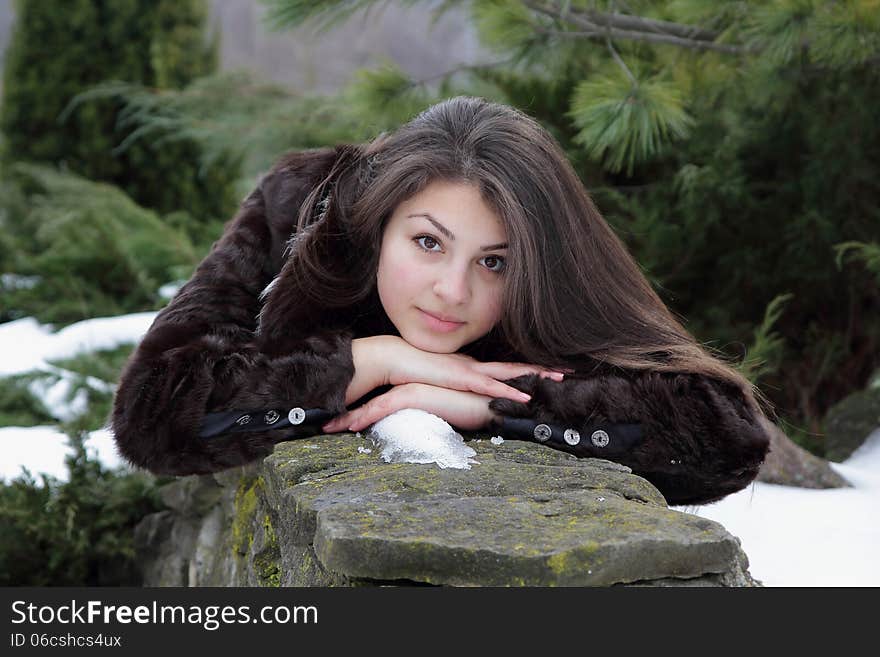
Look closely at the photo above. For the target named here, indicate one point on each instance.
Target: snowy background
(792, 536)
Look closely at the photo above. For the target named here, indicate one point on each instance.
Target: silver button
(243, 420)
(296, 415)
(543, 433)
(271, 417)
(599, 438)
(572, 437)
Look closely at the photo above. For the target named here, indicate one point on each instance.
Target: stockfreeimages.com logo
(210, 617)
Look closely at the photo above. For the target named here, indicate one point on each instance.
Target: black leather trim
(225, 422)
(621, 437)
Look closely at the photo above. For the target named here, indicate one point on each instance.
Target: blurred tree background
(731, 145)
(93, 222)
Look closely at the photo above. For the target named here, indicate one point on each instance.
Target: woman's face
(442, 257)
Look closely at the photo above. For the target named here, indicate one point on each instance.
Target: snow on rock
(415, 436)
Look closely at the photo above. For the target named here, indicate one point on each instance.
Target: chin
(435, 346)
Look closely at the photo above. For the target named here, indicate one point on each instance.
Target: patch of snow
(43, 345)
(42, 450)
(808, 537)
(56, 397)
(415, 436)
(18, 282)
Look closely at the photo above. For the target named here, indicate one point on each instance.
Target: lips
(443, 318)
(437, 325)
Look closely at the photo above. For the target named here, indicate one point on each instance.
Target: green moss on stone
(268, 562)
(244, 510)
(574, 561)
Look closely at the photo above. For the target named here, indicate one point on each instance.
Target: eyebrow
(448, 233)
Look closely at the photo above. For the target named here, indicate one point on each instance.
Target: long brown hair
(573, 294)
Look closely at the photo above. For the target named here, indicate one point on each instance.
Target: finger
(486, 385)
(376, 409)
(501, 370)
(493, 388)
(365, 417)
(339, 423)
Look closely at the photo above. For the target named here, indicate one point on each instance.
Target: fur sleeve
(701, 440)
(201, 354)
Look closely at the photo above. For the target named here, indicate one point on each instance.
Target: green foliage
(624, 121)
(765, 354)
(758, 201)
(156, 43)
(847, 34)
(320, 15)
(780, 30)
(233, 115)
(19, 407)
(505, 26)
(869, 254)
(388, 94)
(89, 249)
(88, 379)
(78, 532)
(74, 533)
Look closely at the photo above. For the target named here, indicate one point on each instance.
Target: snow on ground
(803, 537)
(26, 345)
(42, 450)
(792, 536)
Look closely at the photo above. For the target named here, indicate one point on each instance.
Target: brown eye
(495, 263)
(427, 242)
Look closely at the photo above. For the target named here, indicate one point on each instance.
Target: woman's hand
(403, 364)
(466, 410)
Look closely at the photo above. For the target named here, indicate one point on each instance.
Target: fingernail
(558, 376)
(524, 396)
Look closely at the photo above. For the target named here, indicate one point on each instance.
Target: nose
(453, 285)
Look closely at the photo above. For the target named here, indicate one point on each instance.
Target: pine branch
(642, 24)
(621, 63)
(595, 24)
(463, 67)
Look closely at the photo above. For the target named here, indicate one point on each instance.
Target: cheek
(490, 307)
(396, 276)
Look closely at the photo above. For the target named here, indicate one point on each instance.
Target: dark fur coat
(204, 353)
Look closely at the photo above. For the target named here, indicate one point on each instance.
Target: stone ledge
(319, 512)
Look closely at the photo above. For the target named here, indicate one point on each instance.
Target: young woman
(456, 265)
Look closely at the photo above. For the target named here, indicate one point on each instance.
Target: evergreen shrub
(60, 50)
(74, 533)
